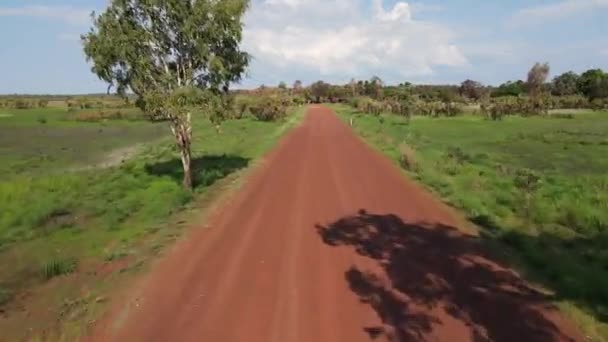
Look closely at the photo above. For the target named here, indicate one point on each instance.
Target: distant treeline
(69, 102)
(571, 90)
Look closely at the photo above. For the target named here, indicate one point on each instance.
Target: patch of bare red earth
(329, 242)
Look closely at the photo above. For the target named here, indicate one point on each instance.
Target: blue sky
(417, 41)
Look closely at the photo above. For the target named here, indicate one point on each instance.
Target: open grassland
(537, 187)
(43, 141)
(80, 200)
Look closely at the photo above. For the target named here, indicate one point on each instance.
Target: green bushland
(268, 107)
(60, 209)
(537, 187)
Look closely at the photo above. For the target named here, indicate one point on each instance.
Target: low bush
(407, 157)
(568, 102)
(498, 107)
(269, 108)
(104, 115)
(58, 267)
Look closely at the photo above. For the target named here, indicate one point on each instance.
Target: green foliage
(57, 267)
(510, 88)
(269, 108)
(319, 91)
(528, 182)
(565, 84)
(599, 104)
(594, 84)
(150, 46)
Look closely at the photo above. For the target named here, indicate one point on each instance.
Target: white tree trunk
(181, 126)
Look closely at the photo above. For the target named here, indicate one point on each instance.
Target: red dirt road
(329, 242)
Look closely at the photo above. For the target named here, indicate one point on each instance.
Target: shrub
(528, 182)
(367, 105)
(498, 107)
(407, 157)
(569, 102)
(457, 155)
(241, 106)
(269, 109)
(22, 104)
(599, 104)
(57, 267)
(103, 115)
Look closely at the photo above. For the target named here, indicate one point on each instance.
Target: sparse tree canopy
(537, 76)
(297, 85)
(174, 55)
(282, 85)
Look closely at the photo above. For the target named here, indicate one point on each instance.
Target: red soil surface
(329, 242)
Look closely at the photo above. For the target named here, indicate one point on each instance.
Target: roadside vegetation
(535, 181)
(85, 202)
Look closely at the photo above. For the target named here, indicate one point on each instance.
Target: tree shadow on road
(435, 266)
(206, 170)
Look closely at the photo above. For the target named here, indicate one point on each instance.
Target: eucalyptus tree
(175, 56)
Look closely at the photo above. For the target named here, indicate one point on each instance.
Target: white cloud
(339, 39)
(67, 14)
(419, 7)
(400, 12)
(555, 11)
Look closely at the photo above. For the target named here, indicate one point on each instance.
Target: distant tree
(319, 90)
(376, 85)
(297, 86)
(471, 89)
(565, 84)
(594, 84)
(537, 76)
(175, 56)
(282, 85)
